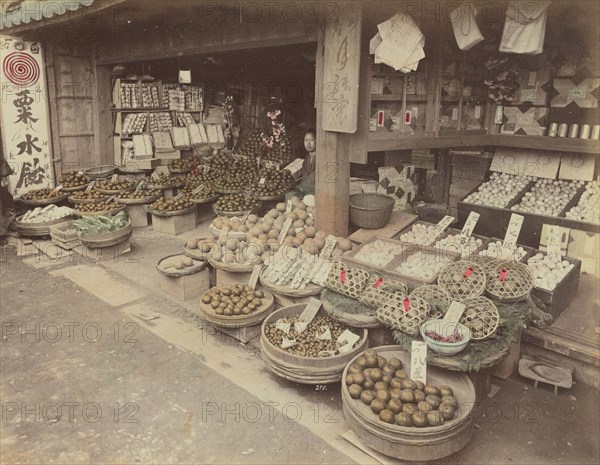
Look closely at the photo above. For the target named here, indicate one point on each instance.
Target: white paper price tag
(282, 326)
(288, 206)
(254, 276)
(330, 242)
(418, 361)
(513, 230)
(454, 313)
(311, 309)
(470, 224)
(553, 241)
(198, 189)
(58, 188)
(284, 230)
(300, 327)
(110, 199)
(324, 333)
(114, 177)
(262, 182)
(287, 343)
(90, 186)
(322, 268)
(346, 341)
(442, 225)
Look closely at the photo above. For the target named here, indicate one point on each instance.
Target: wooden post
(332, 179)
(53, 110)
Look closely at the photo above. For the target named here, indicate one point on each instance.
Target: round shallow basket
(200, 201)
(107, 239)
(238, 213)
(197, 254)
(229, 191)
(463, 280)
(139, 201)
(162, 187)
(102, 213)
(166, 266)
(481, 317)
(100, 172)
(42, 202)
(343, 309)
(232, 267)
(393, 313)
(509, 282)
(239, 321)
(438, 298)
(371, 211)
(185, 211)
(38, 229)
(116, 191)
(74, 188)
(75, 201)
(300, 369)
(411, 443)
(271, 198)
(234, 235)
(309, 290)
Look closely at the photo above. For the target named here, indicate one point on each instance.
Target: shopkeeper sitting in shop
(307, 182)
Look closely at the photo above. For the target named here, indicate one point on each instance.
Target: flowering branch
(504, 81)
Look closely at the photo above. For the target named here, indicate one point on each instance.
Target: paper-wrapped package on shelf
(399, 43)
(525, 27)
(466, 30)
(396, 185)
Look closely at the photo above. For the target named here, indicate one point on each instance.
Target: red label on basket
(378, 283)
(343, 276)
(503, 274)
(406, 304)
(468, 272)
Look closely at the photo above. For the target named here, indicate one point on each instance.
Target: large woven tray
(232, 267)
(338, 312)
(198, 265)
(116, 191)
(168, 214)
(200, 201)
(42, 202)
(309, 290)
(38, 229)
(140, 201)
(102, 213)
(75, 201)
(239, 321)
(74, 188)
(234, 235)
(238, 213)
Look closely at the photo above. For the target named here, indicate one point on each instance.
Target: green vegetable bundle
(101, 224)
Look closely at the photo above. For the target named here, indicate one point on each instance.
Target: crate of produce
(420, 266)
(376, 253)
(451, 240)
(556, 294)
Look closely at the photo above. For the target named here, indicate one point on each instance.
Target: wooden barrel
(305, 370)
(412, 443)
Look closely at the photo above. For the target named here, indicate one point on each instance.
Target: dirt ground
(98, 365)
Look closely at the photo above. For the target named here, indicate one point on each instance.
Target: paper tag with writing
(553, 241)
(311, 309)
(442, 225)
(245, 217)
(198, 189)
(322, 269)
(254, 276)
(111, 199)
(513, 230)
(114, 177)
(330, 242)
(58, 188)
(205, 168)
(324, 333)
(261, 182)
(455, 311)
(300, 326)
(287, 343)
(90, 186)
(418, 361)
(140, 186)
(288, 206)
(284, 230)
(470, 224)
(282, 326)
(346, 341)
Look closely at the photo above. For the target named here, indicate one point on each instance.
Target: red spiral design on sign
(21, 69)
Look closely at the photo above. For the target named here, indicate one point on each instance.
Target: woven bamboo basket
(185, 211)
(165, 266)
(100, 172)
(310, 289)
(370, 211)
(300, 369)
(75, 201)
(463, 279)
(38, 229)
(74, 188)
(412, 444)
(343, 309)
(239, 321)
(481, 317)
(376, 289)
(107, 239)
(139, 201)
(234, 235)
(232, 267)
(399, 311)
(238, 213)
(438, 298)
(346, 280)
(102, 213)
(197, 253)
(42, 202)
(509, 282)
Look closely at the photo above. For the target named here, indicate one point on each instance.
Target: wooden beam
(53, 108)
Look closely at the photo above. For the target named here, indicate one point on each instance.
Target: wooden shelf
(153, 110)
(560, 144)
(386, 97)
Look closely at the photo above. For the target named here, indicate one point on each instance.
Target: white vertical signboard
(24, 115)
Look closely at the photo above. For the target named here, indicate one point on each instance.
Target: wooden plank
(561, 144)
(94, 108)
(398, 222)
(341, 69)
(104, 115)
(54, 124)
(358, 146)
(379, 142)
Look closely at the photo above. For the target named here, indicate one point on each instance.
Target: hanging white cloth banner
(466, 30)
(525, 27)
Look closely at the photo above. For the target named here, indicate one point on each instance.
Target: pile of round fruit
(205, 246)
(41, 194)
(117, 185)
(101, 206)
(236, 203)
(164, 181)
(181, 164)
(252, 144)
(174, 204)
(74, 179)
(233, 251)
(234, 300)
(383, 385)
(88, 195)
(281, 152)
(139, 194)
(308, 343)
(179, 263)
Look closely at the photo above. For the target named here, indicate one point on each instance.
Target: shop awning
(18, 13)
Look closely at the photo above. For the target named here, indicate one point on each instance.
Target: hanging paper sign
(90, 186)
(254, 276)
(553, 241)
(439, 228)
(418, 361)
(24, 116)
(470, 224)
(284, 230)
(311, 309)
(513, 230)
